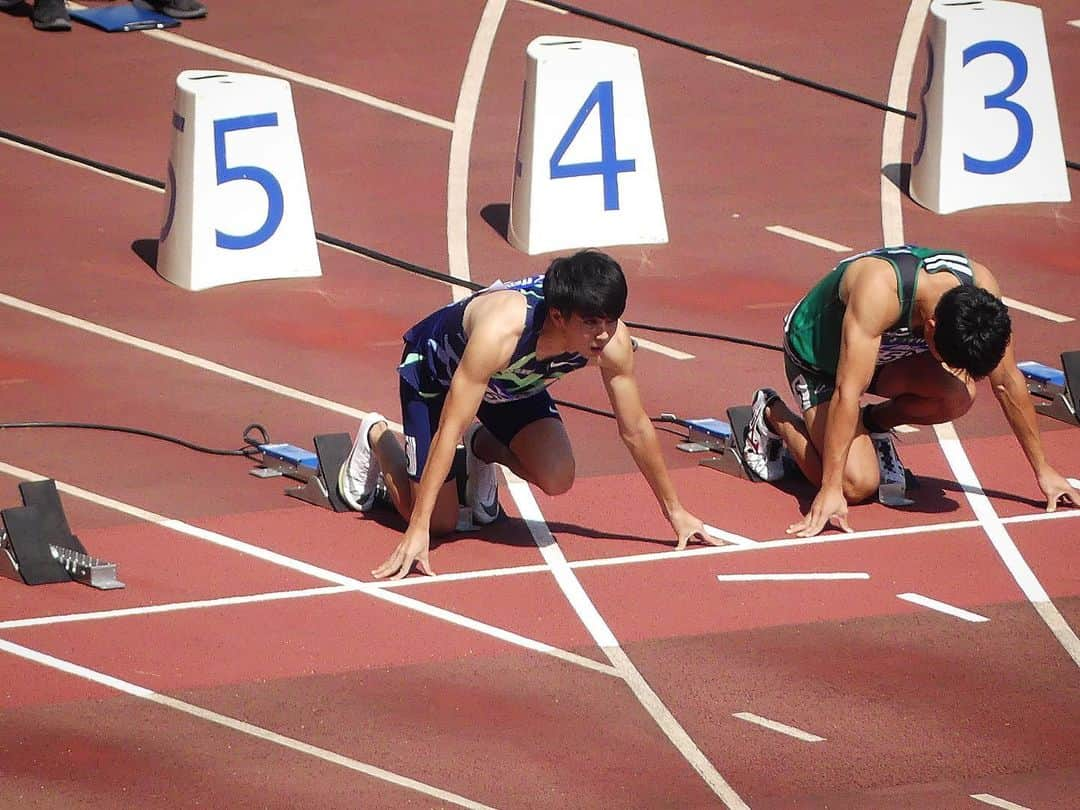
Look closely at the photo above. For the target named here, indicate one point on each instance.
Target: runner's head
(971, 330)
(589, 284)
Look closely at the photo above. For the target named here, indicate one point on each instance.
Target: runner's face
(589, 335)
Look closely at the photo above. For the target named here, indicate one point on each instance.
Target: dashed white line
(791, 233)
(942, 607)
(236, 725)
(995, 801)
(660, 348)
(802, 577)
(744, 68)
(1031, 309)
(782, 728)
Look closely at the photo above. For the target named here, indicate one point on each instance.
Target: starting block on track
(317, 471)
(38, 548)
(715, 439)
(1055, 392)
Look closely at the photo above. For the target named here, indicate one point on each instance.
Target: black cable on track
(244, 451)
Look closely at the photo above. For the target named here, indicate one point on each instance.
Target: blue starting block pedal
(1055, 392)
(715, 440)
(318, 471)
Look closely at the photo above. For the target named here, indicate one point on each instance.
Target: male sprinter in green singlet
(492, 357)
(914, 325)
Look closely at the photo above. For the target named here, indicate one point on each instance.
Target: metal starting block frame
(38, 548)
(1055, 392)
(715, 439)
(317, 471)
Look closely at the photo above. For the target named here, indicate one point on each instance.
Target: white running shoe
(763, 451)
(481, 482)
(360, 477)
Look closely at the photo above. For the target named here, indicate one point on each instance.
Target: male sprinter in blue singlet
(914, 325)
(492, 356)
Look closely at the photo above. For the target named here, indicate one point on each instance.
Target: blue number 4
(609, 166)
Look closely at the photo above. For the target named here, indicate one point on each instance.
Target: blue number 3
(1000, 101)
(609, 166)
(275, 202)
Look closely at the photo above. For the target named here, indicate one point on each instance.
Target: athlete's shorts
(420, 419)
(811, 386)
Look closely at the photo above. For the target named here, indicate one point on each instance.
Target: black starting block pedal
(38, 548)
(716, 440)
(318, 471)
(1055, 392)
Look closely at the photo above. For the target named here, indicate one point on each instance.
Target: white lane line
(1075, 22)
(457, 174)
(184, 357)
(803, 577)
(783, 728)
(293, 76)
(942, 607)
(743, 68)
(1073, 482)
(1031, 309)
(545, 6)
(995, 801)
(1003, 544)
(791, 233)
(906, 429)
(892, 138)
(660, 348)
(601, 633)
(236, 725)
(315, 571)
(730, 537)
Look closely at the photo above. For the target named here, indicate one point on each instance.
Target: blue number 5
(609, 166)
(1000, 101)
(275, 202)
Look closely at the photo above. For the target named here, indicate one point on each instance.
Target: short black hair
(589, 283)
(972, 330)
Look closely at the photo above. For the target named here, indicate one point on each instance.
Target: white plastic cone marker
(989, 130)
(236, 201)
(585, 173)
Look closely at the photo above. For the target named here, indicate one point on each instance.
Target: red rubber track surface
(246, 665)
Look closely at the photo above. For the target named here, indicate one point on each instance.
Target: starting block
(318, 471)
(715, 438)
(1055, 392)
(38, 547)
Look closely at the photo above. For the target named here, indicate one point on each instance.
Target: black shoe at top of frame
(180, 9)
(50, 15)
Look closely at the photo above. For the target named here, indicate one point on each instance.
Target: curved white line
(892, 226)
(457, 176)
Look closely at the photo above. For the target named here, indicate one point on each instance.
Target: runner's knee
(556, 479)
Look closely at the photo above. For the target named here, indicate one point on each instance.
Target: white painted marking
(729, 537)
(232, 723)
(545, 6)
(760, 74)
(772, 725)
(293, 76)
(598, 628)
(1003, 543)
(804, 577)
(987, 798)
(892, 218)
(1075, 23)
(1031, 309)
(315, 571)
(906, 429)
(457, 176)
(77, 164)
(942, 607)
(818, 241)
(660, 348)
(1073, 482)
(184, 357)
